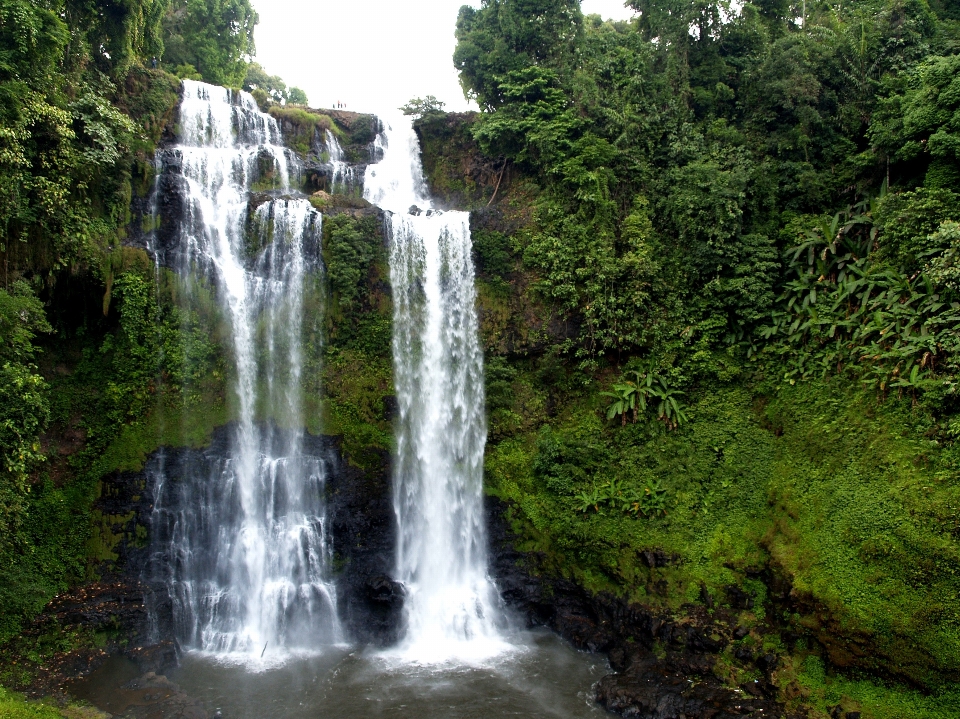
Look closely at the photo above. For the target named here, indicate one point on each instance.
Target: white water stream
(247, 555)
(452, 607)
(242, 531)
(344, 177)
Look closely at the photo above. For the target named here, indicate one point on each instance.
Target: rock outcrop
(663, 667)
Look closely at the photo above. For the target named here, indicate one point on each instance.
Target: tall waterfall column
(452, 607)
(239, 537)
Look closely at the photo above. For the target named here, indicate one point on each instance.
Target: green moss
(448, 151)
(813, 686)
(299, 126)
(837, 493)
(356, 385)
(14, 706)
(106, 538)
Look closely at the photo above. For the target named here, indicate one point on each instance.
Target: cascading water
(343, 176)
(239, 558)
(239, 536)
(452, 606)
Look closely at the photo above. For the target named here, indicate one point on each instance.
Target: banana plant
(646, 389)
(590, 500)
(652, 499)
(842, 312)
(624, 401)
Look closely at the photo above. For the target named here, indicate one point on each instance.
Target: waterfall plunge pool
(543, 677)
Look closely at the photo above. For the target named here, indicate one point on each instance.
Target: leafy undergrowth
(354, 378)
(356, 384)
(850, 501)
(36, 660)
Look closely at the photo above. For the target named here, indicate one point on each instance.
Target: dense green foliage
(271, 88)
(25, 409)
(679, 174)
(357, 371)
(213, 38)
(741, 226)
(423, 107)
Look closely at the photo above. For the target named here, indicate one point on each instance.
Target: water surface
(542, 678)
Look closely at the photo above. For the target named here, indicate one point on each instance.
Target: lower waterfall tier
(192, 498)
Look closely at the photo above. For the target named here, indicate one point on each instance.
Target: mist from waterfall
(239, 537)
(452, 607)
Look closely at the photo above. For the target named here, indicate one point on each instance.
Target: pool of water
(541, 677)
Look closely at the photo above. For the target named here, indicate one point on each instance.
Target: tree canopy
(727, 132)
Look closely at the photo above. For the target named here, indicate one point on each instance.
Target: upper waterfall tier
(396, 182)
(217, 117)
(345, 178)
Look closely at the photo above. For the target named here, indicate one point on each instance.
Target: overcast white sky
(371, 54)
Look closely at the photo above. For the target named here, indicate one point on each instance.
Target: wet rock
(706, 597)
(654, 558)
(414, 210)
(680, 684)
(315, 169)
(390, 408)
(671, 688)
(743, 654)
(156, 657)
(738, 598)
(740, 632)
(386, 590)
(260, 198)
(699, 639)
(767, 662)
(363, 531)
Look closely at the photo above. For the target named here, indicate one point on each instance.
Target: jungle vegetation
(719, 296)
(721, 309)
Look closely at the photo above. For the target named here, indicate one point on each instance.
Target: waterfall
(343, 175)
(452, 606)
(239, 536)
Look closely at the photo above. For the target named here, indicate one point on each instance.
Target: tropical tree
(919, 120)
(428, 106)
(504, 36)
(213, 36)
